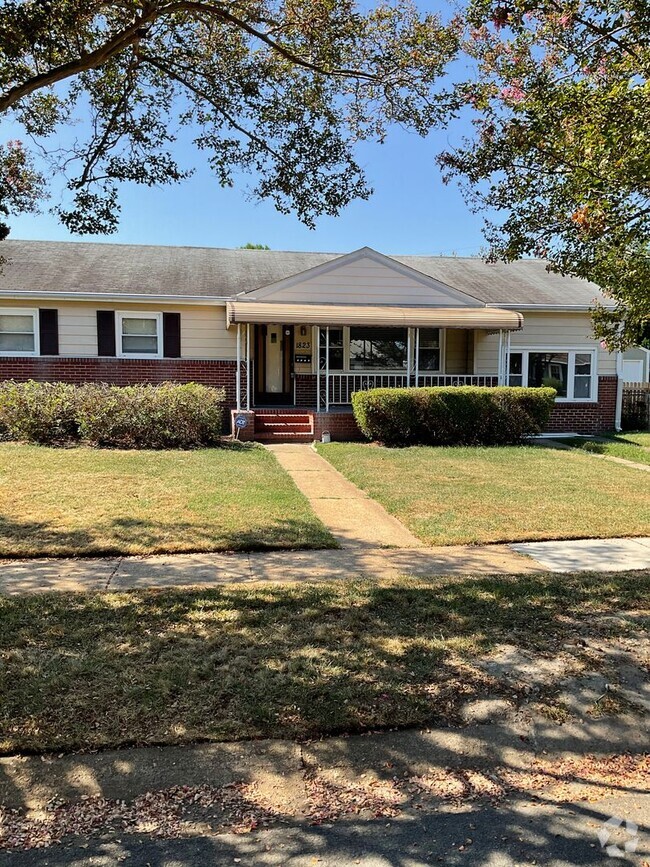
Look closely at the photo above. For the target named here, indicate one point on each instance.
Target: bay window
(377, 348)
(18, 332)
(139, 335)
(570, 372)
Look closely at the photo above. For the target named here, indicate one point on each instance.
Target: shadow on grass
(100, 670)
(126, 535)
(84, 671)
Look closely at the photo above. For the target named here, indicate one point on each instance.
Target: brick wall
(587, 418)
(341, 425)
(123, 371)
(306, 389)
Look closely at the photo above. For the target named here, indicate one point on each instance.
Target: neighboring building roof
(44, 267)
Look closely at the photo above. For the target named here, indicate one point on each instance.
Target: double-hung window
(139, 335)
(572, 373)
(429, 350)
(18, 332)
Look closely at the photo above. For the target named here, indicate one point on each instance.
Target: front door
(273, 354)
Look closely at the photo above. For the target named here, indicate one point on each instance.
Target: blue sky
(411, 211)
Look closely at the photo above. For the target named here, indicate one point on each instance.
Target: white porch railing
(341, 386)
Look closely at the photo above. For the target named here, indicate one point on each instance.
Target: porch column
(238, 379)
(500, 367)
(417, 356)
(409, 367)
(317, 354)
(327, 368)
(248, 366)
(506, 372)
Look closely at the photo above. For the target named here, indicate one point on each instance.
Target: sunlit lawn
(90, 501)
(630, 447)
(84, 670)
(469, 495)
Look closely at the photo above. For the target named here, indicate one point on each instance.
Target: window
(377, 348)
(429, 355)
(138, 335)
(570, 373)
(336, 349)
(18, 332)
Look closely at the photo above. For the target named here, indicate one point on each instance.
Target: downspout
(238, 380)
(619, 392)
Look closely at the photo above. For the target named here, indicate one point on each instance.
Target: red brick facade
(587, 418)
(122, 371)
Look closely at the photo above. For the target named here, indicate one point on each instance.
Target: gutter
(115, 297)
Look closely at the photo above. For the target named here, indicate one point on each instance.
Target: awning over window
(491, 318)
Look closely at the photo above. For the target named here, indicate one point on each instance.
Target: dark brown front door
(273, 365)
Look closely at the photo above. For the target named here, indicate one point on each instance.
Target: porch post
(417, 356)
(327, 368)
(408, 357)
(248, 366)
(506, 372)
(500, 369)
(238, 380)
(317, 354)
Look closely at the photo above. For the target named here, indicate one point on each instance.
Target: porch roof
(491, 318)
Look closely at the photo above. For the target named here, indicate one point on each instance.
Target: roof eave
(117, 297)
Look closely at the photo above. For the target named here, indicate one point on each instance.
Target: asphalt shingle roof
(65, 266)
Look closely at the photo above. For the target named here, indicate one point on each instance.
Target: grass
(450, 496)
(641, 438)
(83, 671)
(620, 446)
(82, 501)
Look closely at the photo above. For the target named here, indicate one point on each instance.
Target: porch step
(289, 426)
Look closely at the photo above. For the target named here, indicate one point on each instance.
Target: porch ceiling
(492, 318)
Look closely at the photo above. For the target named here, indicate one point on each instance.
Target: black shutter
(48, 327)
(172, 335)
(105, 332)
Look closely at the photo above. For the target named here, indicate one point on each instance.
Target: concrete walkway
(589, 555)
(355, 520)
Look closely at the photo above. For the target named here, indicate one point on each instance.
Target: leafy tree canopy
(250, 246)
(561, 104)
(281, 88)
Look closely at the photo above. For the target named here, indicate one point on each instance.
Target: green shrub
(463, 415)
(39, 412)
(139, 416)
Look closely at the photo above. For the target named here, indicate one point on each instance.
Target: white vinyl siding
(546, 331)
(365, 281)
(203, 329)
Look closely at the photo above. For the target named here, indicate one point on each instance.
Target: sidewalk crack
(114, 571)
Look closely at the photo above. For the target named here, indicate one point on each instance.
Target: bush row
(132, 417)
(463, 415)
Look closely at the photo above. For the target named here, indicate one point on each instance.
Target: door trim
(261, 397)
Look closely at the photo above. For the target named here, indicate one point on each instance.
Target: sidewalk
(504, 794)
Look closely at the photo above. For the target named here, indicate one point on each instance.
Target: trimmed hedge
(165, 416)
(464, 415)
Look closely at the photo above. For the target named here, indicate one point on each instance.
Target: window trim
(120, 315)
(24, 311)
(443, 354)
(525, 351)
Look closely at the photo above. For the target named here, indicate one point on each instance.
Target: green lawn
(78, 501)
(641, 438)
(81, 671)
(616, 446)
(452, 496)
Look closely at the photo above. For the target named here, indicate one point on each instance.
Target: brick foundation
(341, 425)
(123, 371)
(587, 418)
